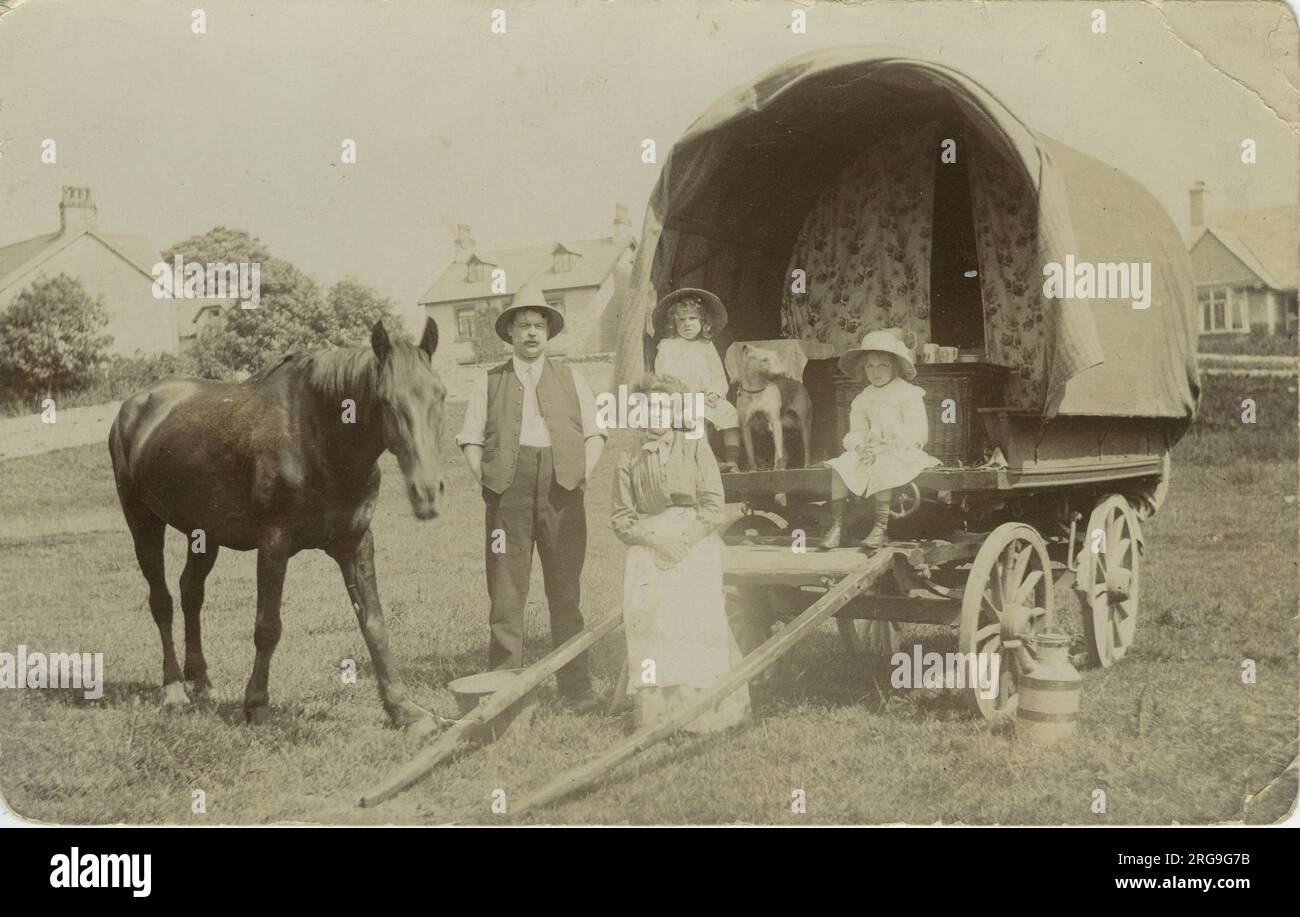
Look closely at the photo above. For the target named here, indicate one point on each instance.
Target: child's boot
(733, 456)
(731, 450)
(832, 539)
(879, 533)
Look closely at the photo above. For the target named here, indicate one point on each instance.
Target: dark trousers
(536, 510)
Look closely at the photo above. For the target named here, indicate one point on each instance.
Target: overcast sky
(533, 135)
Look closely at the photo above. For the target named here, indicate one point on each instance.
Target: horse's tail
(123, 435)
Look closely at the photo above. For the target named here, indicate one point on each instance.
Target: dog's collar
(753, 391)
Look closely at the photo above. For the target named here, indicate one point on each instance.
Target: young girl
(885, 445)
(686, 321)
(668, 505)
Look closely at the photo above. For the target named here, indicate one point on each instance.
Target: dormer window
(477, 270)
(563, 259)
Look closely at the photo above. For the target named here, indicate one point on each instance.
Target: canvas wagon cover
(736, 183)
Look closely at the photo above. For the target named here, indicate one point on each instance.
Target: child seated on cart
(885, 445)
(667, 508)
(686, 321)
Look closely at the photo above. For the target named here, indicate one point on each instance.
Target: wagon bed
(815, 483)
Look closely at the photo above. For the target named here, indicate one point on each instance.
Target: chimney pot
(77, 210)
(1196, 202)
(464, 242)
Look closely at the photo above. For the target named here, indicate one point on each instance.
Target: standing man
(530, 439)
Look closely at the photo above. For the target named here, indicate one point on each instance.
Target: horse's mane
(343, 372)
(337, 372)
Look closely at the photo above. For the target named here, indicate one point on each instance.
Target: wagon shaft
(463, 732)
(853, 585)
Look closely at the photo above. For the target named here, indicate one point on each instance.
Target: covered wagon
(860, 188)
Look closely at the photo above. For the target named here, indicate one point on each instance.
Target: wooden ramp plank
(459, 735)
(776, 646)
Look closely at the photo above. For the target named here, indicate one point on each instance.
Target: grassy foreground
(1170, 735)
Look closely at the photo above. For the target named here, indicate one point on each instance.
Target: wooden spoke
(1109, 585)
(873, 643)
(1028, 587)
(1009, 582)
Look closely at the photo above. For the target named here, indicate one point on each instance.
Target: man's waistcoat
(561, 412)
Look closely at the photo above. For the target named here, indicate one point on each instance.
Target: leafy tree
(50, 337)
(293, 313)
(487, 346)
(355, 308)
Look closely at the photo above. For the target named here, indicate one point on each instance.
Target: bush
(1257, 343)
(50, 338)
(113, 380)
(1220, 437)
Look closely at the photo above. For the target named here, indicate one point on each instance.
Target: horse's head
(411, 398)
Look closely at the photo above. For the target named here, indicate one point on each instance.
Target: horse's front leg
(271, 563)
(356, 559)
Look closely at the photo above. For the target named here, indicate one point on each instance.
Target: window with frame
(556, 301)
(477, 271)
(562, 259)
(465, 323)
(1221, 311)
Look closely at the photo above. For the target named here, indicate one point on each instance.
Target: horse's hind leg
(197, 568)
(147, 530)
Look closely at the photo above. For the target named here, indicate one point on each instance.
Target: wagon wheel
(861, 637)
(905, 501)
(1108, 581)
(1008, 593)
(761, 521)
(873, 644)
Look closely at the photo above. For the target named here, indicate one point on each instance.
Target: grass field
(1220, 586)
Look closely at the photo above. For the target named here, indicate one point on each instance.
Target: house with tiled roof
(586, 280)
(117, 267)
(1245, 263)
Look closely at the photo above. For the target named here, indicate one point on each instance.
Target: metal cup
(930, 353)
(948, 354)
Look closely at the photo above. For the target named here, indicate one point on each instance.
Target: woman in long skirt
(667, 507)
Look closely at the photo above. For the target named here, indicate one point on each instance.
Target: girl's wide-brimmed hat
(529, 296)
(711, 307)
(888, 340)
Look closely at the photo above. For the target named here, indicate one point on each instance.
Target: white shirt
(532, 430)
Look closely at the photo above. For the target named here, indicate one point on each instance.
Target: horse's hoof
(200, 691)
(422, 728)
(257, 716)
(175, 694)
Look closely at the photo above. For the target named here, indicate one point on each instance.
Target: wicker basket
(970, 385)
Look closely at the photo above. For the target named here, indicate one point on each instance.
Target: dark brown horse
(280, 463)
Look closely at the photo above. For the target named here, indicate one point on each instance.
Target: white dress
(679, 641)
(698, 365)
(891, 420)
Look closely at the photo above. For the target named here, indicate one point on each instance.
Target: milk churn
(1048, 709)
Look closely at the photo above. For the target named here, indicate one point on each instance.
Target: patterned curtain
(1016, 330)
(865, 246)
